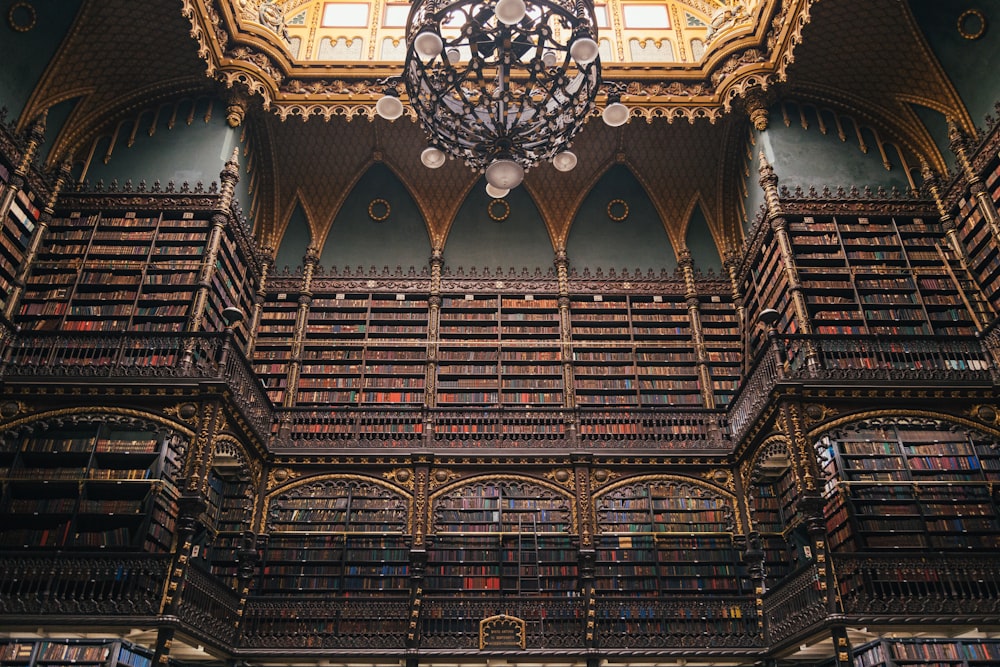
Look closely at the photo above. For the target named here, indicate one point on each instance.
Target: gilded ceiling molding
(750, 54)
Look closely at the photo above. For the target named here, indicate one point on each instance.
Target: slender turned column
(731, 265)
(36, 135)
(561, 262)
(697, 335)
(228, 177)
(433, 334)
(779, 225)
(959, 146)
(309, 263)
(418, 552)
(932, 181)
(41, 227)
(267, 259)
(586, 555)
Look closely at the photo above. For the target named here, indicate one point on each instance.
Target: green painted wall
(294, 242)
(805, 157)
(700, 243)
(477, 241)
(638, 242)
(937, 125)
(972, 64)
(356, 239)
(185, 153)
(25, 55)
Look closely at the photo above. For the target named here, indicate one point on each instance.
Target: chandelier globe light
(499, 84)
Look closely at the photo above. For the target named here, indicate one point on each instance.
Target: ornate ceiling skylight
(677, 58)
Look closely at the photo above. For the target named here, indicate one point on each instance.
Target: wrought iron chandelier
(501, 84)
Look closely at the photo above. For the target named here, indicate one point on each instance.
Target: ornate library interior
(499, 333)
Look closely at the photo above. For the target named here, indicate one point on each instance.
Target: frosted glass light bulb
(615, 114)
(584, 51)
(510, 12)
(504, 174)
(428, 45)
(564, 161)
(432, 157)
(496, 193)
(389, 107)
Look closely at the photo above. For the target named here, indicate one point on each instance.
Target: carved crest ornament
(244, 44)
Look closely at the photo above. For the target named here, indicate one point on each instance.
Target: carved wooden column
(267, 259)
(309, 262)
(228, 177)
(779, 225)
(41, 227)
(586, 553)
(932, 181)
(433, 332)
(418, 550)
(35, 137)
(697, 335)
(561, 262)
(959, 145)
(731, 265)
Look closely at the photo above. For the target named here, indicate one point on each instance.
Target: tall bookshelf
(666, 537)
(468, 350)
(943, 652)
(911, 486)
(339, 536)
(772, 500)
(15, 231)
(81, 652)
(90, 486)
(883, 275)
(502, 537)
(974, 231)
(131, 271)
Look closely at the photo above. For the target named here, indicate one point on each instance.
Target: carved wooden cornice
(754, 54)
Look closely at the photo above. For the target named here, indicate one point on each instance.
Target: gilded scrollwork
(563, 477)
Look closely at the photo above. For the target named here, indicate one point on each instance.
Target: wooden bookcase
(928, 652)
(132, 271)
(77, 652)
(887, 276)
(336, 536)
(666, 537)
(977, 237)
(502, 537)
(911, 487)
(773, 517)
(90, 486)
(15, 231)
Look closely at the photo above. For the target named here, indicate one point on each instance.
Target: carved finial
(230, 176)
(236, 109)
(684, 258)
(755, 102)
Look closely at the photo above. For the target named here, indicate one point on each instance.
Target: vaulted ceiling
(315, 132)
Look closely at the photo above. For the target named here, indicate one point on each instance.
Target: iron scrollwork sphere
(490, 82)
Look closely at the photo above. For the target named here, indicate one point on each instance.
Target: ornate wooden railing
(298, 429)
(163, 357)
(77, 584)
(678, 622)
(453, 623)
(345, 623)
(956, 587)
(795, 605)
(208, 607)
(859, 358)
